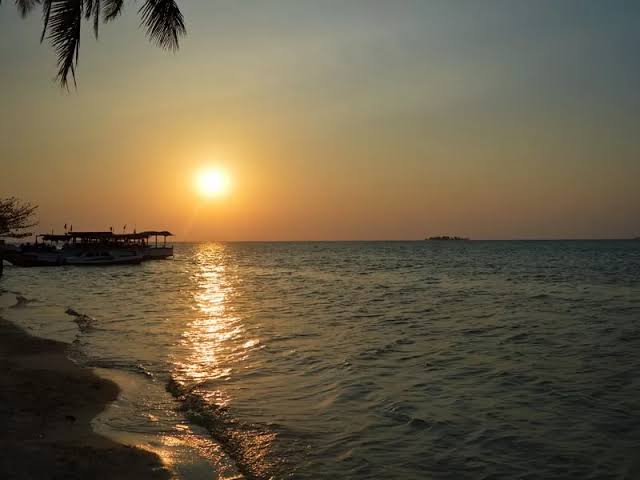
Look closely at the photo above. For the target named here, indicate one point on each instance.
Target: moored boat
(104, 257)
(33, 256)
(150, 251)
(90, 248)
(157, 251)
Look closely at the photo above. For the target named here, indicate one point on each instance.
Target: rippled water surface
(365, 360)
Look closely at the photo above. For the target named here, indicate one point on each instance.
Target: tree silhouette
(62, 20)
(15, 217)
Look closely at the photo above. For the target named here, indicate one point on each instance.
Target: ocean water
(362, 360)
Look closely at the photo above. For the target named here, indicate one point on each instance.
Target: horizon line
(558, 239)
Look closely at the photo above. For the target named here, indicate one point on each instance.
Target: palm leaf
(64, 32)
(62, 21)
(92, 9)
(111, 9)
(164, 22)
(25, 6)
(46, 12)
(96, 17)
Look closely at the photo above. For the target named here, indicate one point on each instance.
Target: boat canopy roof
(153, 233)
(104, 236)
(142, 235)
(53, 238)
(77, 235)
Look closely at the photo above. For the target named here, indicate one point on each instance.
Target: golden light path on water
(214, 342)
(210, 338)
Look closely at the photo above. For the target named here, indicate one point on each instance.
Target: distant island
(447, 238)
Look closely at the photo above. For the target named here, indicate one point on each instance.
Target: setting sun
(213, 182)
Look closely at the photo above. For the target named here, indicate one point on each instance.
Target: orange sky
(335, 120)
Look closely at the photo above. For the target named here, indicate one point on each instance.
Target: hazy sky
(337, 120)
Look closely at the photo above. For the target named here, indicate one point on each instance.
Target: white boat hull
(103, 257)
(157, 253)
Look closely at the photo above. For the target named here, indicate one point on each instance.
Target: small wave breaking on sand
(248, 445)
(84, 322)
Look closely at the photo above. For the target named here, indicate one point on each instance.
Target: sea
(360, 360)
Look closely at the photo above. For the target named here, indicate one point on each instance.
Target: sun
(212, 182)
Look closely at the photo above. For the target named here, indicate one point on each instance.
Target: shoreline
(47, 403)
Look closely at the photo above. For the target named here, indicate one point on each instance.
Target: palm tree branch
(62, 21)
(25, 6)
(46, 12)
(111, 9)
(164, 22)
(64, 32)
(92, 9)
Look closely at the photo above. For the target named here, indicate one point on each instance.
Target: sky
(336, 120)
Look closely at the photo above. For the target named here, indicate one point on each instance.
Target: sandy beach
(46, 405)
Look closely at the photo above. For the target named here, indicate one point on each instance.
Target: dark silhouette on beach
(48, 403)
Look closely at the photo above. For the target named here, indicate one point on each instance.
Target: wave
(539, 296)
(120, 365)
(22, 301)
(84, 322)
(248, 445)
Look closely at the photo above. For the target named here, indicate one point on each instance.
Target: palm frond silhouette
(62, 21)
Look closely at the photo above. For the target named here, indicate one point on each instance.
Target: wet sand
(46, 406)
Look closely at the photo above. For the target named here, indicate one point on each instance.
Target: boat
(124, 241)
(94, 248)
(155, 251)
(33, 256)
(104, 257)
(90, 248)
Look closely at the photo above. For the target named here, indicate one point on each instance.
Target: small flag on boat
(65, 227)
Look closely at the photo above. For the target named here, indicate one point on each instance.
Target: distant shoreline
(447, 238)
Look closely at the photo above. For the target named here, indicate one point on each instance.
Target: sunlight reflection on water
(209, 338)
(212, 343)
